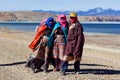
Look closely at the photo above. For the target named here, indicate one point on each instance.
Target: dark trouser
(76, 66)
(64, 65)
(46, 63)
(48, 59)
(57, 64)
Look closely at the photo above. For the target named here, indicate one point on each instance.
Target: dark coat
(75, 41)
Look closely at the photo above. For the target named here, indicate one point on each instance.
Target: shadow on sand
(82, 71)
(95, 71)
(15, 63)
(100, 71)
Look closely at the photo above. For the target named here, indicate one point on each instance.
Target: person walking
(59, 39)
(75, 43)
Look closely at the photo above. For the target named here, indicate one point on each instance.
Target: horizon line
(61, 10)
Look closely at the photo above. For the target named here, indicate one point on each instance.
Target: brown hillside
(99, 18)
(38, 16)
(24, 16)
(5, 16)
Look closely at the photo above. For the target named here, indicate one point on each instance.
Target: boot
(77, 67)
(35, 70)
(57, 62)
(46, 65)
(64, 67)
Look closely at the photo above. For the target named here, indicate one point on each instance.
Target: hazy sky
(74, 5)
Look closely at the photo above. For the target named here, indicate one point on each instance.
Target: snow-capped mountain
(98, 11)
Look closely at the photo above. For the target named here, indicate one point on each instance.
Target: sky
(72, 5)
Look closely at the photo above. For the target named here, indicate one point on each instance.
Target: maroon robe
(75, 41)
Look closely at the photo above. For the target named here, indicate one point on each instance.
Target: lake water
(91, 27)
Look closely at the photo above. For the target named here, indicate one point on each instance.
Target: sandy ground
(100, 58)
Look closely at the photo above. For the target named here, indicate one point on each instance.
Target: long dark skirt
(34, 63)
(37, 59)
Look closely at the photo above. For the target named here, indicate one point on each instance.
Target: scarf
(62, 20)
(50, 22)
(73, 19)
(51, 38)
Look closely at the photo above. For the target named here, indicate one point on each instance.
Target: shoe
(77, 72)
(45, 70)
(36, 70)
(56, 69)
(63, 72)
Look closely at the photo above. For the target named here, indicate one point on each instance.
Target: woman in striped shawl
(59, 39)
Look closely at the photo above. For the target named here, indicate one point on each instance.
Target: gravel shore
(100, 58)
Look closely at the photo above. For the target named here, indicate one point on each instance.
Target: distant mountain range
(97, 14)
(98, 11)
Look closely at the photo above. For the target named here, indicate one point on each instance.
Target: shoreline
(90, 33)
(96, 64)
(89, 22)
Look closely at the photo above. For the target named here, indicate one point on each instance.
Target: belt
(60, 36)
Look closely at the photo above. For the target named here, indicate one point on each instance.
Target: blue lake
(91, 27)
